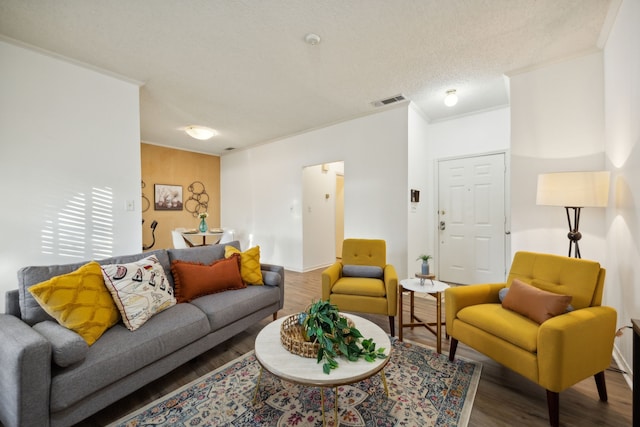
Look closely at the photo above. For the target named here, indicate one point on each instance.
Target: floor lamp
(574, 191)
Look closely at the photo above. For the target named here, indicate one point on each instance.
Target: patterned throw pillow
(194, 279)
(79, 301)
(140, 289)
(249, 264)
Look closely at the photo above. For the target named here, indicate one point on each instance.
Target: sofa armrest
(279, 270)
(330, 276)
(25, 374)
(585, 335)
(391, 288)
(12, 303)
(458, 297)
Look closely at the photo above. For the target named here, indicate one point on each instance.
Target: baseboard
(624, 367)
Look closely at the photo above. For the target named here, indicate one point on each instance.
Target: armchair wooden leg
(452, 349)
(602, 386)
(553, 401)
(275, 316)
(392, 325)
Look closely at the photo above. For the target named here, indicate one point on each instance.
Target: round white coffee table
(307, 371)
(427, 286)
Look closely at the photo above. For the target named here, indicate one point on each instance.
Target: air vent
(229, 148)
(388, 101)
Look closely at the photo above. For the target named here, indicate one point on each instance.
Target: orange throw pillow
(193, 280)
(536, 304)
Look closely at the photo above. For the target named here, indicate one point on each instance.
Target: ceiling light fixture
(451, 99)
(312, 39)
(200, 132)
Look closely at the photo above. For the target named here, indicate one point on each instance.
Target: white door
(471, 219)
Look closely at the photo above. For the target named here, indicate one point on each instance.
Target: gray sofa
(35, 391)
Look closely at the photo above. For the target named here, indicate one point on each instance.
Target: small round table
(429, 287)
(275, 358)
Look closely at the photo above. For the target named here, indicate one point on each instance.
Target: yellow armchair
(363, 282)
(555, 354)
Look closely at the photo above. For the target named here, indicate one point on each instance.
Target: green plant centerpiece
(335, 335)
(424, 258)
(425, 263)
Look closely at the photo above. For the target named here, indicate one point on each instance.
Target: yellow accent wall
(162, 165)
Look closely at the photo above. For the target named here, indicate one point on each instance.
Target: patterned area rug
(425, 389)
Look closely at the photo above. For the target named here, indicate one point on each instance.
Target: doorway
(472, 219)
(322, 214)
(339, 213)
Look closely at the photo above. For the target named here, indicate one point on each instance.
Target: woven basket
(292, 337)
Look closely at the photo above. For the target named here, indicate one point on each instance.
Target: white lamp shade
(573, 189)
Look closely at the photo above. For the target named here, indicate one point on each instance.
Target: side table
(429, 287)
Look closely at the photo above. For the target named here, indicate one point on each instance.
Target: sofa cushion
(67, 347)
(249, 264)
(119, 352)
(558, 274)
(30, 310)
(194, 279)
(79, 301)
(140, 289)
(202, 254)
(372, 271)
(225, 308)
(504, 324)
(536, 304)
(359, 286)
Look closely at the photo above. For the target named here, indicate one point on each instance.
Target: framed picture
(167, 197)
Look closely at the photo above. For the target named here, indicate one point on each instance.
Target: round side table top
(429, 286)
(306, 371)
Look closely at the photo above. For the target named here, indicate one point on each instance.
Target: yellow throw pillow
(249, 264)
(79, 301)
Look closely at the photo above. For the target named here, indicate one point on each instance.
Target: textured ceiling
(243, 68)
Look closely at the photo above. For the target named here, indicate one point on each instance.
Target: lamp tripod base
(574, 235)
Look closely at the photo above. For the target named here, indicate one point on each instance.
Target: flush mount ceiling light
(200, 132)
(451, 99)
(312, 39)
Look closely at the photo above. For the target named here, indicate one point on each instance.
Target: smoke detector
(312, 39)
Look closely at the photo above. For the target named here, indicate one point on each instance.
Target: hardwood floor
(504, 398)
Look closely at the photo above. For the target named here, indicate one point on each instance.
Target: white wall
(261, 187)
(557, 124)
(66, 134)
(622, 136)
(420, 216)
(485, 132)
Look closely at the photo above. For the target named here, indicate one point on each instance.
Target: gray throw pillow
(271, 278)
(67, 347)
(370, 271)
